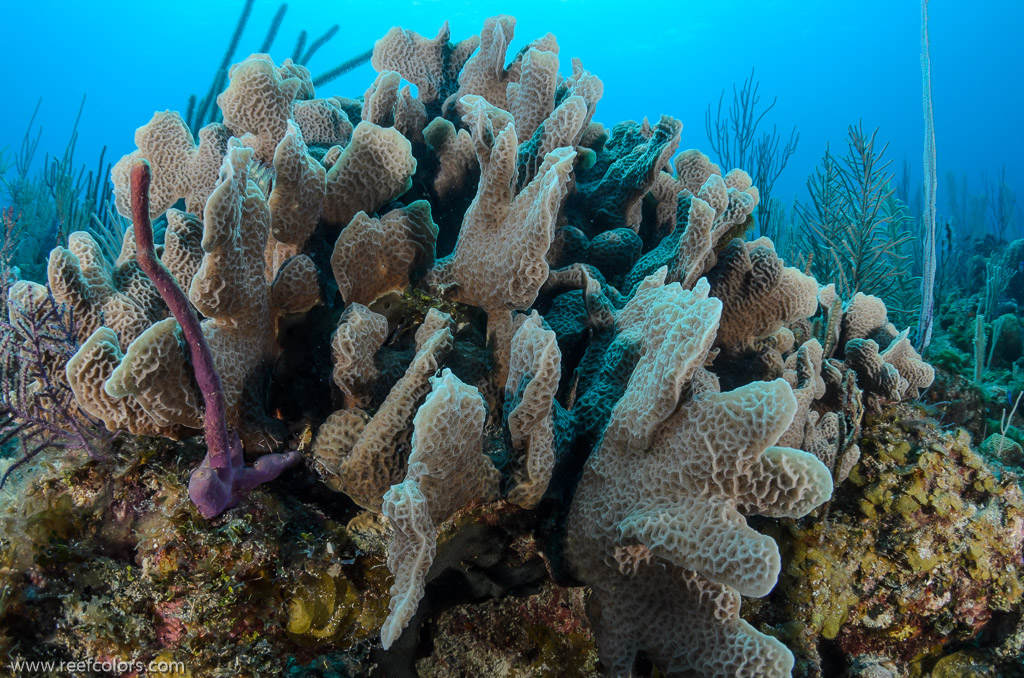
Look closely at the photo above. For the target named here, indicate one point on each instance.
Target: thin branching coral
(856, 233)
(734, 139)
(38, 409)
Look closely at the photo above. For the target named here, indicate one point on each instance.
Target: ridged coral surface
(539, 360)
(657, 522)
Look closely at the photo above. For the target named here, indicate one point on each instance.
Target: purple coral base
(223, 478)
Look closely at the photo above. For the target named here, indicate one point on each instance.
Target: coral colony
(477, 299)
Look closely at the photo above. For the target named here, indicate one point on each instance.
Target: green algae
(917, 552)
(122, 566)
(329, 605)
(962, 665)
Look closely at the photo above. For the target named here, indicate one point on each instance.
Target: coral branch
(223, 478)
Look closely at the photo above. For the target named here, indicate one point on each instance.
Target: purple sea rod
(223, 478)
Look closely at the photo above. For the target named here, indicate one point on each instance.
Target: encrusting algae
(919, 554)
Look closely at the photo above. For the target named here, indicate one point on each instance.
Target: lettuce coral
(478, 293)
(447, 470)
(657, 526)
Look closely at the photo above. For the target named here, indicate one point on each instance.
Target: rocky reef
(485, 389)
(915, 569)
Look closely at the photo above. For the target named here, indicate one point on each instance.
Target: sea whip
(924, 330)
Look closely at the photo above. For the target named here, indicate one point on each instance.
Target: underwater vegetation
(463, 382)
(42, 208)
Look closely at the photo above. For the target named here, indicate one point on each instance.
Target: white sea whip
(924, 328)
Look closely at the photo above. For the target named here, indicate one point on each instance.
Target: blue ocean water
(829, 63)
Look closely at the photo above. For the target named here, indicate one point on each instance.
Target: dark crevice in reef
(302, 387)
(471, 567)
(833, 661)
(319, 497)
(999, 628)
(447, 212)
